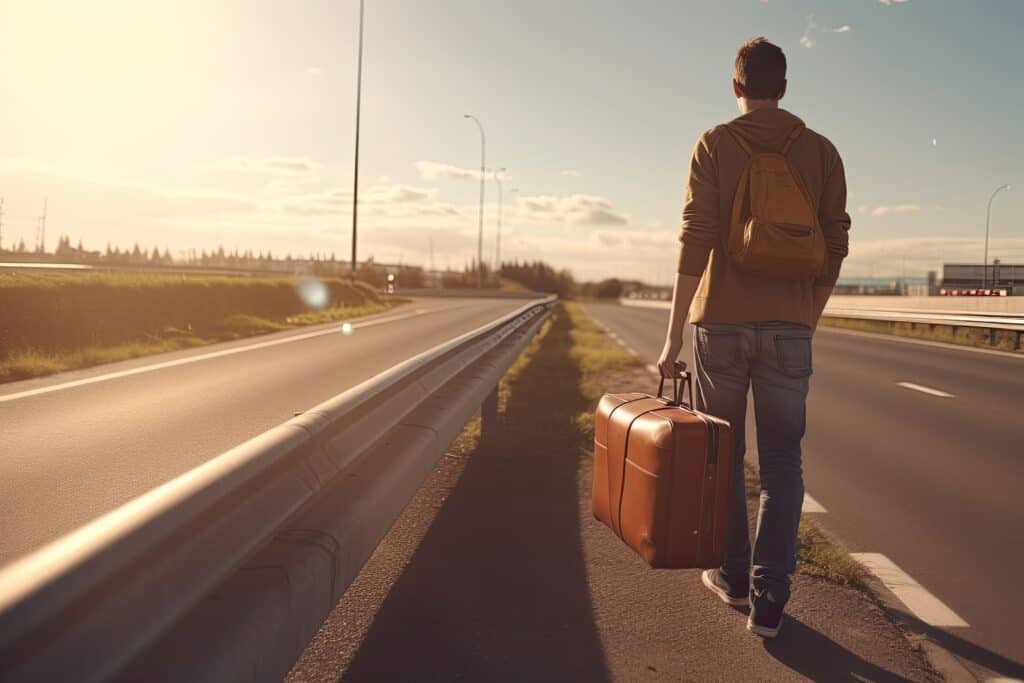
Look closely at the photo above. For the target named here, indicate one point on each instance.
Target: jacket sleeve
(700, 230)
(835, 222)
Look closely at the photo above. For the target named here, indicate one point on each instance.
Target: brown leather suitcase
(662, 477)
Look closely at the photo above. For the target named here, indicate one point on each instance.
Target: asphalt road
(932, 482)
(78, 444)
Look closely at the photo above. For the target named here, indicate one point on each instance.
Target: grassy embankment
(51, 322)
(1002, 340)
(571, 364)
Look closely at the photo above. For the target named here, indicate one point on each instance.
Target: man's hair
(760, 69)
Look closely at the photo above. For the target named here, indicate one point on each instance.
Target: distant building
(969, 279)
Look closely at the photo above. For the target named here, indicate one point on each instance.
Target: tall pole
(497, 246)
(480, 232)
(497, 239)
(355, 174)
(988, 216)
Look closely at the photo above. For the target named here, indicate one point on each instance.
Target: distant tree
(21, 246)
(609, 289)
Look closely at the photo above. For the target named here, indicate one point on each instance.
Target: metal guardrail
(226, 572)
(991, 321)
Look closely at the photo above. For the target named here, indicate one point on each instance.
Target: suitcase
(662, 477)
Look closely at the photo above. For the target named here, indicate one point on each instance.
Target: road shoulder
(497, 570)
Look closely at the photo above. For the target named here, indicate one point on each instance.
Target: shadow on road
(819, 658)
(497, 588)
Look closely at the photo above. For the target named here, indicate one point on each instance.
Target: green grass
(1003, 340)
(54, 322)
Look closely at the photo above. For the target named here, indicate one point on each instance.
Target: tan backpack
(774, 231)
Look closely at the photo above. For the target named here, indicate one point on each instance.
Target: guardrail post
(489, 414)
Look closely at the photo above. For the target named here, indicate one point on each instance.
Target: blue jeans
(774, 357)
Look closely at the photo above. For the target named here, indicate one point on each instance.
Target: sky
(194, 124)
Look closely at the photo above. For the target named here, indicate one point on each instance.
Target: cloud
(381, 197)
(806, 39)
(269, 165)
(432, 170)
(892, 2)
(579, 209)
(845, 28)
(571, 173)
(916, 255)
(898, 208)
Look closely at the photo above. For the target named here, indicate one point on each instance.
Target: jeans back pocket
(794, 353)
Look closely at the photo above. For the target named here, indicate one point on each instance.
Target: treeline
(540, 277)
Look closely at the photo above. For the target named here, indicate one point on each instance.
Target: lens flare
(312, 292)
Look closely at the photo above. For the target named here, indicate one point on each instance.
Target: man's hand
(668, 365)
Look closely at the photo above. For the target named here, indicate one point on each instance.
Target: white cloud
(806, 39)
(892, 2)
(914, 256)
(578, 209)
(898, 208)
(269, 165)
(571, 173)
(432, 170)
(845, 28)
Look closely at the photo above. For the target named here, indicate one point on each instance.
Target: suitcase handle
(676, 395)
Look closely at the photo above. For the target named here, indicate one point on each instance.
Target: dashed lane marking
(916, 597)
(653, 369)
(811, 505)
(924, 390)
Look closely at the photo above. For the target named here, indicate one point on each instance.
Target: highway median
(500, 553)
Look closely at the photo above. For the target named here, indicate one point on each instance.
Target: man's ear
(782, 93)
(737, 89)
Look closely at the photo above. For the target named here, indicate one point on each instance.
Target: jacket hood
(765, 129)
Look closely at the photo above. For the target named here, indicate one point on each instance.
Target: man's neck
(748, 105)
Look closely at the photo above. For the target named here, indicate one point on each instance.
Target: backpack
(774, 230)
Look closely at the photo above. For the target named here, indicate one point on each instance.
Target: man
(751, 329)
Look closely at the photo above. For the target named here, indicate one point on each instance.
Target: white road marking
(1003, 679)
(653, 369)
(917, 599)
(334, 329)
(630, 350)
(924, 389)
(811, 505)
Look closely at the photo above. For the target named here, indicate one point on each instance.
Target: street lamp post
(480, 232)
(988, 216)
(497, 237)
(355, 179)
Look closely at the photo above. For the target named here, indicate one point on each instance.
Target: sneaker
(765, 615)
(729, 593)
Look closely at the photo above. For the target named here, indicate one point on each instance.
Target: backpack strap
(794, 134)
(740, 141)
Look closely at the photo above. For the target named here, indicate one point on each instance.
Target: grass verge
(1001, 340)
(29, 362)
